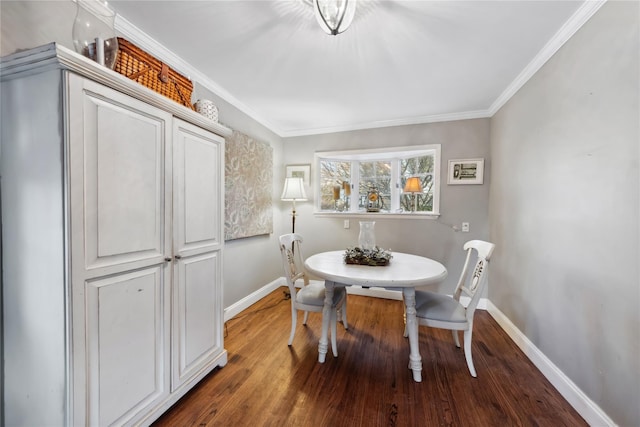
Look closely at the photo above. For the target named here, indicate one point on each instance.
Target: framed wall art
(466, 171)
(299, 171)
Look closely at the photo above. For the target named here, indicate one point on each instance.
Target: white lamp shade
(293, 190)
(334, 16)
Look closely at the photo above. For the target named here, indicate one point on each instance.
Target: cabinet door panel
(127, 344)
(197, 328)
(120, 205)
(124, 173)
(198, 196)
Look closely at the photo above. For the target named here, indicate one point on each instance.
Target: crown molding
(479, 114)
(577, 20)
(150, 45)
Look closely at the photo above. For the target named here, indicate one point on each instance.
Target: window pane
(334, 179)
(421, 167)
(375, 175)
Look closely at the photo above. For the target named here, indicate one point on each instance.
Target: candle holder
(346, 188)
(336, 197)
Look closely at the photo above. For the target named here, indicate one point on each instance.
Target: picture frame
(301, 171)
(465, 171)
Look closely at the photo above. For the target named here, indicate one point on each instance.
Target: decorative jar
(207, 108)
(93, 32)
(367, 236)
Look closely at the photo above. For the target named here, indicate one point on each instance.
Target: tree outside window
(334, 179)
(423, 168)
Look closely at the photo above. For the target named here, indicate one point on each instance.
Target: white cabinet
(112, 213)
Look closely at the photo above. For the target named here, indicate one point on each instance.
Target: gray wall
(458, 203)
(564, 210)
(27, 24)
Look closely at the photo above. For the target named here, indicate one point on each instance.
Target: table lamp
(293, 190)
(413, 186)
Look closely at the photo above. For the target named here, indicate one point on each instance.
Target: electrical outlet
(465, 227)
(346, 223)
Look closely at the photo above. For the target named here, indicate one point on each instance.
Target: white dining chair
(446, 312)
(310, 296)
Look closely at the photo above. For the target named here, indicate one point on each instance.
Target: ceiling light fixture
(334, 16)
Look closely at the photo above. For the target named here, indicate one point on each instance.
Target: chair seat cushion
(313, 294)
(440, 307)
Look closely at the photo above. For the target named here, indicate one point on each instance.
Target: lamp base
(293, 221)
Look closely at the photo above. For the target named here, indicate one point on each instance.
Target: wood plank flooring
(267, 383)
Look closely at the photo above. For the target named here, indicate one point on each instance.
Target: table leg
(323, 346)
(415, 360)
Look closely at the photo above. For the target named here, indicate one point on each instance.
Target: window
(362, 181)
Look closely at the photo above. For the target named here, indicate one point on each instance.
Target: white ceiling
(400, 62)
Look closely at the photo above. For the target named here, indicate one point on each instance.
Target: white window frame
(366, 155)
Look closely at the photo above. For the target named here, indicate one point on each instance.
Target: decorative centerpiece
(374, 257)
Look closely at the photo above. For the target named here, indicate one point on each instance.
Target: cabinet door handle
(178, 257)
(167, 259)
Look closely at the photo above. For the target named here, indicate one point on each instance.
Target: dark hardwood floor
(267, 383)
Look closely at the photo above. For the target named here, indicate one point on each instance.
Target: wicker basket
(138, 65)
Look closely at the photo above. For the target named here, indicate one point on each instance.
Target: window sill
(380, 215)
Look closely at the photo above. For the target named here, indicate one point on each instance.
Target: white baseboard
(246, 302)
(374, 292)
(397, 295)
(588, 409)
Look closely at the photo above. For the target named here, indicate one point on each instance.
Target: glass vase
(367, 236)
(93, 32)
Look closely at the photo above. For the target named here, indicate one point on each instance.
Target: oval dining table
(404, 272)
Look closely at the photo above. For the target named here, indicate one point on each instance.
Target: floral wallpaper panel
(248, 187)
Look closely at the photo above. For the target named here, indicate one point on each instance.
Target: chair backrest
(473, 284)
(292, 260)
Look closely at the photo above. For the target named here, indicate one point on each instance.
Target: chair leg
(294, 319)
(306, 317)
(334, 332)
(456, 337)
(467, 352)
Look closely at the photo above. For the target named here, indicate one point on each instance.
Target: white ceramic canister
(207, 108)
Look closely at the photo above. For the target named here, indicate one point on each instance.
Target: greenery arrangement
(375, 257)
